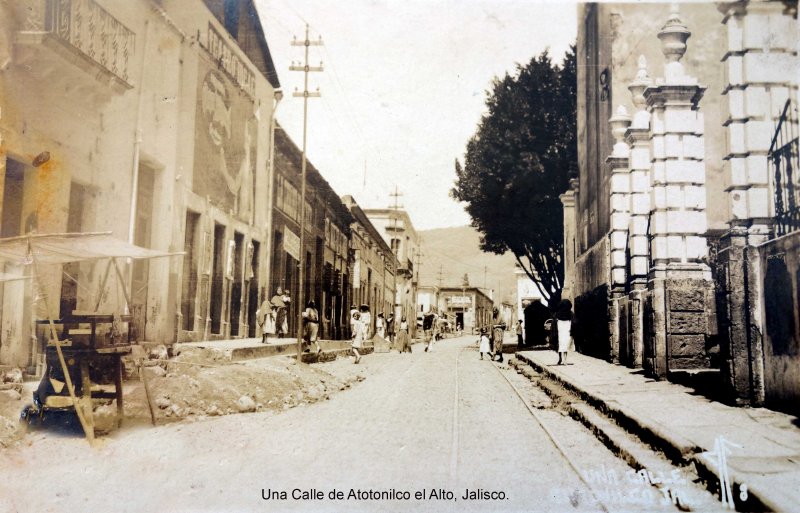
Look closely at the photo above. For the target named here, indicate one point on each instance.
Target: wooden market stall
(81, 346)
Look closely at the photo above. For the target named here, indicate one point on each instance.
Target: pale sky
(403, 87)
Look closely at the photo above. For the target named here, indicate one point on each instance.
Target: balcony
(79, 32)
(406, 267)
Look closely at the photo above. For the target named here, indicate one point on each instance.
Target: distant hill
(457, 251)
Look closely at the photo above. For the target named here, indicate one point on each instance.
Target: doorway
(142, 235)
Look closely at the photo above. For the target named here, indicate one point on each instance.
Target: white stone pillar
(678, 276)
(638, 138)
(760, 59)
(620, 218)
(620, 197)
(570, 231)
(762, 39)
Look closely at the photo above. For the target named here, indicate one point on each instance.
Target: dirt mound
(203, 382)
(11, 403)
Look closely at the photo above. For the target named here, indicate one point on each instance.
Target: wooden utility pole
(395, 208)
(305, 95)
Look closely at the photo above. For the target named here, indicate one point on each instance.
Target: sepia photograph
(399, 256)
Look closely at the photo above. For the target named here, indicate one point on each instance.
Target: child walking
(484, 343)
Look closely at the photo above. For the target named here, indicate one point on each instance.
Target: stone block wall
(781, 318)
(687, 323)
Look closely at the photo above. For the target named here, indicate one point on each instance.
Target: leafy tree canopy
(518, 163)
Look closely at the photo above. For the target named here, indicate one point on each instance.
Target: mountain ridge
(456, 251)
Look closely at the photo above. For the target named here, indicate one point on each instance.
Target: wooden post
(118, 387)
(87, 428)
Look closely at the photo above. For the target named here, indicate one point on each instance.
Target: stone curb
(676, 448)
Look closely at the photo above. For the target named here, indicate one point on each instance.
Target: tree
(518, 163)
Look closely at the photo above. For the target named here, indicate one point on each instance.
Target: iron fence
(783, 159)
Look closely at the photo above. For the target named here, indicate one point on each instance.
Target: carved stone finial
(673, 36)
(642, 73)
(619, 124)
(639, 84)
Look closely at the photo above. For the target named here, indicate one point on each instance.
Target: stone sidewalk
(684, 425)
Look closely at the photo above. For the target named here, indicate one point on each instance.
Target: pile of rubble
(196, 383)
(202, 382)
(11, 402)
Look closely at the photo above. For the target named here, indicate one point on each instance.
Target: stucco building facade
(150, 121)
(398, 231)
(326, 240)
(373, 265)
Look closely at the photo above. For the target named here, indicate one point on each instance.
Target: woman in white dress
(358, 335)
(564, 318)
(380, 326)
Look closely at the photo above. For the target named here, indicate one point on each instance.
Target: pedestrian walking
(564, 321)
(358, 335)
(403, 340)
(365, 318)
(311, 325)
(380, 326)
(428, 323)
(519, 330)
(484, 347)
(497, 340)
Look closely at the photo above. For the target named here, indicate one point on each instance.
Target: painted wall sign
(291, 243)
(225, 143)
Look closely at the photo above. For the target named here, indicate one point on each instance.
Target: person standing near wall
(564, 322)
(520, 330)
(390, 327)
(279, 309)
(353, 312)
(265, 317)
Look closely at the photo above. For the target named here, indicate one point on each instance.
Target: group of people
(361, 324)
(272, 315)
(273, 320)
(562, 330)
(493, 347)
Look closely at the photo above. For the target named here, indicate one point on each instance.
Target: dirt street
(438, 431)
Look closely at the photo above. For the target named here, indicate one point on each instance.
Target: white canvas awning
(63, 248)
(12, 277)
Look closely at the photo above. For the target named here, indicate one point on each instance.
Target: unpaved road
(429, 424)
